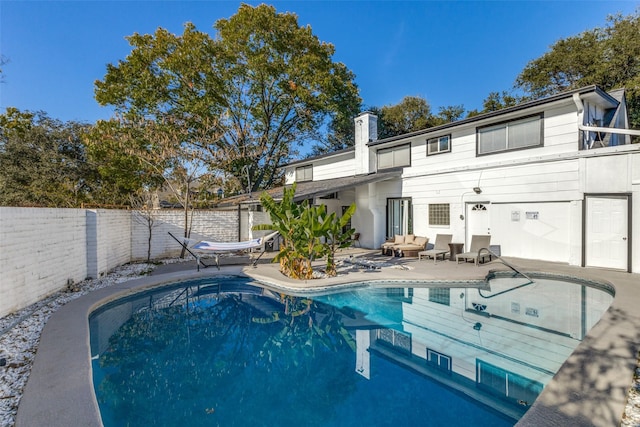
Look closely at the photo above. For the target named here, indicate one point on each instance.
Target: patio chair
(441, 247)
(355, 240)
(478, 242)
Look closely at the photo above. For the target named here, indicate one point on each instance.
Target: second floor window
(524, 133)
(304, 173)
(394, 157)
(441, 144)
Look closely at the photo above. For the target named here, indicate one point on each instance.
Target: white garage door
(606, 236)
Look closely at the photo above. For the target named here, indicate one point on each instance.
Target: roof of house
(322, 156)
(311, 189)
(523, 106)
(613, 98)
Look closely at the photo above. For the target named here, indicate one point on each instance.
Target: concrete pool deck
(589, 390)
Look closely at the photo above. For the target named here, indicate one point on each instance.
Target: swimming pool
(228, 351)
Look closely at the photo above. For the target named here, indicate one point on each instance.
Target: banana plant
(337, 237)
(298, 242)
(308, 233)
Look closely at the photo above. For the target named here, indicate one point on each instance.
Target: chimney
(366, 131)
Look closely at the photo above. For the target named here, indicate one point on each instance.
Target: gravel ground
(20, 335)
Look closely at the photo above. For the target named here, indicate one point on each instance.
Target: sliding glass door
(399, 216)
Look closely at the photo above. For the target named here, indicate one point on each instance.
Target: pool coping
(590, 389)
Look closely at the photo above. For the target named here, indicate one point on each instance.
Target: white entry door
(477, 221)
(607, 232)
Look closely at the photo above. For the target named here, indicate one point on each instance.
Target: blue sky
(450, 53)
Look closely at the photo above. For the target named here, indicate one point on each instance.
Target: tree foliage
(244, 100)
(449, 114)
(43, 161)
(499, 100)
(162, 153)
(608, 57)
(226, 343)
(411, 114)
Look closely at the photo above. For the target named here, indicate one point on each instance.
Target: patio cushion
(421, 241)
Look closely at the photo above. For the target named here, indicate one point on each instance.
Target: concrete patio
(589, 390)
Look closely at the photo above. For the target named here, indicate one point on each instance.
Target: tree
(167, 110)
(608, 57)
(411, 114)
(282, 87)
(162, 152)
(497, 101)
(337, 236)
(122, 175)
(145, 213)
(571, 63)
(43, 161)
(449, 114)
(262, 86)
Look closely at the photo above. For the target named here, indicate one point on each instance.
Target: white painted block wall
(113, 235)
(40, 250)
(220, 226)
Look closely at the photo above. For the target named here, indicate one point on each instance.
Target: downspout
(582, 126)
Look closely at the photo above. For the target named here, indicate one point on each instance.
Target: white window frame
(304, 173)
(394, 157)
(504, 135)
(438, 143)
(439, 360)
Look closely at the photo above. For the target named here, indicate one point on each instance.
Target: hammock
(216, 248)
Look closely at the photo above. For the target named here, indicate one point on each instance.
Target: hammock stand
(199, 247)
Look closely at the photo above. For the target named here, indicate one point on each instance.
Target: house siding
(335, 168)
(551, 180)
(328, 168)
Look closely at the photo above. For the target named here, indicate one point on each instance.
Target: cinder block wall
(40, 250)
(114, 240)
(220, 226)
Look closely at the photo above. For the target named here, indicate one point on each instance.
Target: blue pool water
(228, 352)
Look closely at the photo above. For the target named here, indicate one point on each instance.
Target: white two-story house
(554, 179)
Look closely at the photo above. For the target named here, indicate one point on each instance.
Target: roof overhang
(311, 189)
(588, 93)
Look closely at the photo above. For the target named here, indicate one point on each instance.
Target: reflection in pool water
(229, 352)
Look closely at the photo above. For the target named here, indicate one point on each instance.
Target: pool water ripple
(230, 352)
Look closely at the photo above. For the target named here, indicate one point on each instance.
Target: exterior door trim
(629, 224)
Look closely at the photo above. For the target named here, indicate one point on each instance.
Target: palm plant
(308, 233)
(337, 236)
